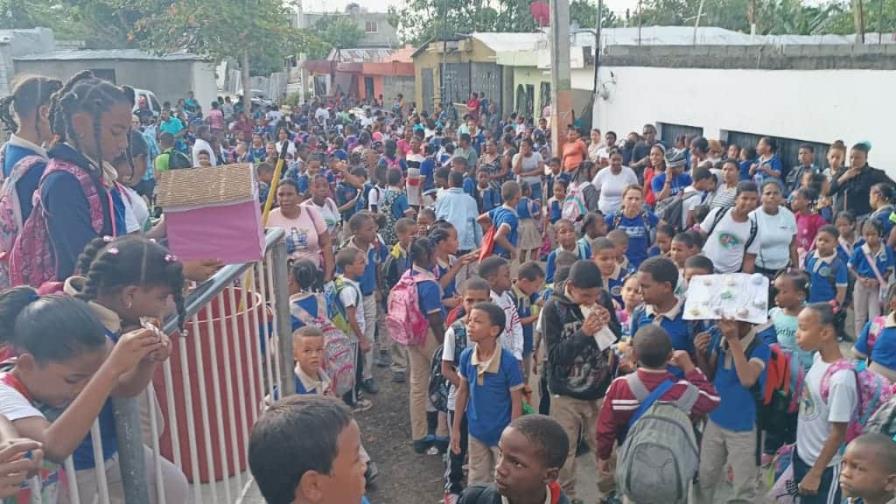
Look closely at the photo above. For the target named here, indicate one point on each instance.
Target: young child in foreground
(326, 468)
(490, 391)
(868, 470)
(533, 449)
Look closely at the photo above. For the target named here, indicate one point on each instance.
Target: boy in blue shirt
(488, 196)
(530, 279)
(658, 277)
(735, 355)
(490, 392)
(506, 222)
(611, 272)
(877, 341)
(828, 273)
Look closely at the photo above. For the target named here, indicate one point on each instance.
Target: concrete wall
(384, 36)
(15, 43)
(392, 85)
(169, 80)
(811, 105)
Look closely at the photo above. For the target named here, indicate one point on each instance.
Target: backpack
(659, 456)
(31, 259)
(877, 326)
(671, 210)
(385, 208)
(645, 221)
(405, 321)
(340, 350)
(777, 393)
(884, 420)
(389, 270)
(335, 307)
(873, 391)
(438, 384)
(177, 160)
(573, 208)
(11, 210)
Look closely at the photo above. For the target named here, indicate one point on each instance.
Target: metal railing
(196, 416)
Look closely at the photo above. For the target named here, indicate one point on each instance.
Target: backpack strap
(648, 401)
(720, 214)
(11, 380)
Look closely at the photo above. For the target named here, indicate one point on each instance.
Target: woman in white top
(594, 148)
(307, 236)
(320, 200)
(283, 137)
(611, 181)
(775, 232)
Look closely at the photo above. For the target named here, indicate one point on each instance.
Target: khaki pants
(370, 320)
(719, 449)
(175, 483)
(483, 461)
(419, 358)
(577, 417)
(866, 305)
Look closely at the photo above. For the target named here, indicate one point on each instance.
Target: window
(371, 27)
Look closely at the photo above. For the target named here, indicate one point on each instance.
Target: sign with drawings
(740, 296)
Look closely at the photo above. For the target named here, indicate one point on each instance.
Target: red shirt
(649, 196)
(620, 402)
(807, 226)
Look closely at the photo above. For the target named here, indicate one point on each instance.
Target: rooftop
(107, 54)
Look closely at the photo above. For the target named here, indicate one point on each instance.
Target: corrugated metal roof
(107, 54)
(360, 54)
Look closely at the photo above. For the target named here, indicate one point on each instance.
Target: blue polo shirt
(556, 211)
(882, 215)
(638, 229)
(469, 185)
(500, 216)
(613, 284)
(489, 406)
(429, 296)
(489, 198)
(676, 186)
(427, 171)
(883, 259)
(883, 351)
(367, 281)
(680, 330)
(737, 409)
(307, 303)
(821, 271)
(524, 309)
(551, 266)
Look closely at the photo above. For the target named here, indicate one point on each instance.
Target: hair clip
(113, 250)
(170, 258)
(108, 239)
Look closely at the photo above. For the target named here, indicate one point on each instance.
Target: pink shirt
(302, 233)
(807, 226)
(216, 119)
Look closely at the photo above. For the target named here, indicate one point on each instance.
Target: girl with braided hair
(126, 280)
(75, 203)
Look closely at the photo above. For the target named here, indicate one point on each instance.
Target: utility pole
(561, 88)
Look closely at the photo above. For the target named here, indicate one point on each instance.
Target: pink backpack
(31, 259)
(405, 321)
(11, 211)
(873, 391)
(877, 326)
(340, 351)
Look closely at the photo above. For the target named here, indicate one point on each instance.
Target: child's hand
(603, 466)
(15, 466)
(809, 484)
(592, 324)
(728, 328)
(164, 352)
(455, 441)
(470, 258)
(364, 344)
(701, 342)
(682, 359)
(131, 348)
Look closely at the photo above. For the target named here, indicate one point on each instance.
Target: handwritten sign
(740, 296)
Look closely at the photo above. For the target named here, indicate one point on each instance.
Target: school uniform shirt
(884, 215)
(512, 335)
(310, 385)
(461, 211)
(845, 249)
(470, 186)
(774, 234)
(429, 295)
(737, 408)
(638, 229)
(440, 270)
(346, 193)
(679, 329)
(816, 415)
(350, 296)
(555, 211)
(503, 216)
(551, 265)
(524, 309)
(375, 256)
(825, 275)
(613, 284)
(18, 148)
(489, 198)
(774, 164)
(449, 353)
(883, 259)
(883, 349)
(490, 382)
(677, 185)
(726, 246)
(785, 331)
(307, 302)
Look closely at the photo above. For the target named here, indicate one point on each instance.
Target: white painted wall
(205, 86)
(811, 105)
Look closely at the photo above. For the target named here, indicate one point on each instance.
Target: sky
(618, 6)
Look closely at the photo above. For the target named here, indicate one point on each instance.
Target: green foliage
(584, 13)
(335, 32)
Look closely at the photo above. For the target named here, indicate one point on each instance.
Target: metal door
(485, 79)
(669, 131)
(456, 82)
(428, 90)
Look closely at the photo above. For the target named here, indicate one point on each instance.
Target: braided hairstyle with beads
(111, 265)
(29, 94)
(85, 93)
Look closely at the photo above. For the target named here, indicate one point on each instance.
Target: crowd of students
(498, 275)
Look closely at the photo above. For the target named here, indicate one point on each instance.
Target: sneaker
(441, 443)
(362, 405)
(371, 474)
(433, 450)
(451, 498)
(369, 386)
(398, 377)
(421, 445)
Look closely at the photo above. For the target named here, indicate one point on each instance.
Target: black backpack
(438, 384)
(673, 212)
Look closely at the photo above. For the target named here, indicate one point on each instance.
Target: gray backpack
(659, 456)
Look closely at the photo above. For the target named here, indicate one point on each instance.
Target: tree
(248, 30)
(584, 13)
(336, 32)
